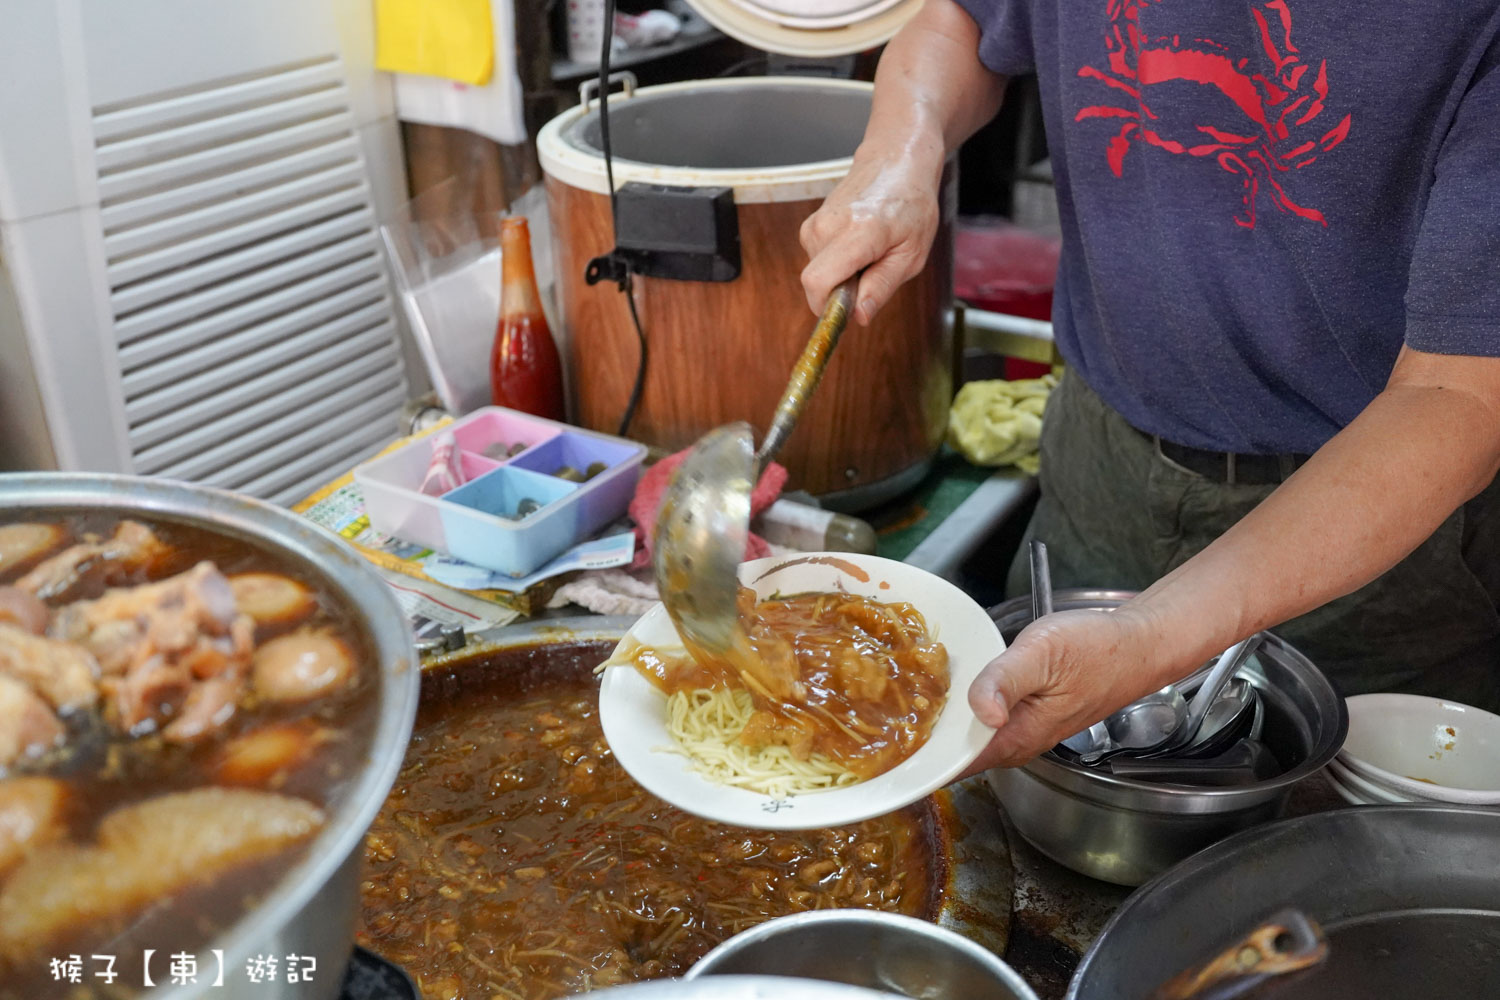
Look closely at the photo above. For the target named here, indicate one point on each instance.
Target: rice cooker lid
(808, 28)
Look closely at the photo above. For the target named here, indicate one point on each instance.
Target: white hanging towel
(492, 109)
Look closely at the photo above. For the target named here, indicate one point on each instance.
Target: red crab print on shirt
(1275, 98)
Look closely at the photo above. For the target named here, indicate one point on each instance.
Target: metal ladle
(704, 520)
(1228, 719)
(1227, 666)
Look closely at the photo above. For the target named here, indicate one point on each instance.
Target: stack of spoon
(1214, 739)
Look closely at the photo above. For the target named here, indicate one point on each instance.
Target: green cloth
(903, 524)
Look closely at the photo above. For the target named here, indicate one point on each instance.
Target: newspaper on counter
(437, 591)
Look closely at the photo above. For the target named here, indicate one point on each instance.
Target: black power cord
(624, 276)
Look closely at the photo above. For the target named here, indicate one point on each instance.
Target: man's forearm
(931, 90)
(1375, 492)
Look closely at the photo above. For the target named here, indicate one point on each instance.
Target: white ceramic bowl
(1375, 794)
(633, 711)
(1424, 748)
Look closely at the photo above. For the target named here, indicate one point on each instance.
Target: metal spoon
(1041, 581)
(1228, 719)
(1243, 763)
(704, 519)
(1140, 728)
(1097, 735)
(1228, 664)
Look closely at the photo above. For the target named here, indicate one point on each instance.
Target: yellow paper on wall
(453, 39)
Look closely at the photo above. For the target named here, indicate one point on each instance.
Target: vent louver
(255, 329)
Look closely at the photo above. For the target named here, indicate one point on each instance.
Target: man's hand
(883, 216)
(931, 93)
(1061, 675)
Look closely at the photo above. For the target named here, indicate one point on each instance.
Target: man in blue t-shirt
(1279, 303)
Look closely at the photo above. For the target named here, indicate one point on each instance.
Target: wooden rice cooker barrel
(721, 351)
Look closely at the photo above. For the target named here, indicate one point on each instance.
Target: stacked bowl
(1411, 748)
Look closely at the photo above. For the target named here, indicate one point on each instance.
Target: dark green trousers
(1115, 514)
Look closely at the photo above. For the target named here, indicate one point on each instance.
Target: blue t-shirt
(1261, 200)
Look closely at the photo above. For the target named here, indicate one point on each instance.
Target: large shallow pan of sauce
(515, 858)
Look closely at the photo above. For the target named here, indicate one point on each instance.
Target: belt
(1228, 467)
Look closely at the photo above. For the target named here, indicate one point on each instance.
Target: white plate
(633, 712)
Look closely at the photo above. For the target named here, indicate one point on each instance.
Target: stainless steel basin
(1125, 830)
(895, 954)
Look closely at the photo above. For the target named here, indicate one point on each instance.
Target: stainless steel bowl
(1124, 830)
(312, 911)
(738, 988)
(881, 951)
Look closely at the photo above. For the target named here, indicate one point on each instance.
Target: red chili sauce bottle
(525, 369)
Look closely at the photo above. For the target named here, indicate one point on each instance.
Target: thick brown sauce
(104, 770)
(516, 859)
(862, 681)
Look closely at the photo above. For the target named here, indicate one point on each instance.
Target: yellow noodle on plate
(706, 724)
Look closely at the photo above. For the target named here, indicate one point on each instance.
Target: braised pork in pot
(180, 713)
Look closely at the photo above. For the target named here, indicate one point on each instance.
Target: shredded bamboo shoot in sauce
(516, 859)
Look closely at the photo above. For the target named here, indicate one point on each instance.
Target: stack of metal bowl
(1126, 830)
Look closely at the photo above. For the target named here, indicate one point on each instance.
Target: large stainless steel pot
(312, 911)
(1124, 830)
(1409, 896)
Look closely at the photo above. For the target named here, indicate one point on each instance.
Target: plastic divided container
(517, 509)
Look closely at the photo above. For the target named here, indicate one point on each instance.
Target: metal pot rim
(741, 988)
(346, 572)
(566, 159)
(798, 922)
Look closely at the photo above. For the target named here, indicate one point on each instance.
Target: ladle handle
(808, 371)
(1289, 941)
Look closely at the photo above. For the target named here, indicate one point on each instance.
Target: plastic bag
(448, 281)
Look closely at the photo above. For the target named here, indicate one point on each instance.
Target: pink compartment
(476, 465)
(483, 429)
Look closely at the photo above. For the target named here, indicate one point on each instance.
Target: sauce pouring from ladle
(704, 521)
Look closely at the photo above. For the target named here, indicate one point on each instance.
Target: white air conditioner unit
(191, 280)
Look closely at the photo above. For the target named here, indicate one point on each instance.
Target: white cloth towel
(494, 110)
(617, 591)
